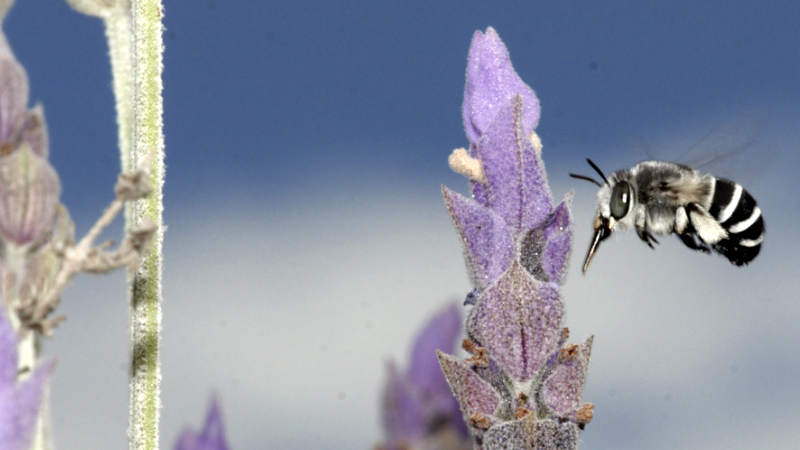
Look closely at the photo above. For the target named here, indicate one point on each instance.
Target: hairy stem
(145, 283)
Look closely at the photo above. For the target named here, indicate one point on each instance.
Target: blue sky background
(306, 145)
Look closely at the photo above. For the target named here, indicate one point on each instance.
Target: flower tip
(491, 33)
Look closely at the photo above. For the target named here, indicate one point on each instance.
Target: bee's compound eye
(620, 200)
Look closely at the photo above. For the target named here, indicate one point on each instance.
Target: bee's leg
(646, 237)
(704, 225)
(685, 229)
(689, 240)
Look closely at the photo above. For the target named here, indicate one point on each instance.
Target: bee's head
(613, 204)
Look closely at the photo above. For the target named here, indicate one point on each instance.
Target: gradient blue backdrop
(306, 143)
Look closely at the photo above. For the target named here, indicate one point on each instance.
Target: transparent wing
(732, 149)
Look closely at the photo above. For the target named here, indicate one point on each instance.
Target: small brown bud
(478, 420)
(568, 353)
(479, 358)
(468, 345)
(584, 414)
(521, 412)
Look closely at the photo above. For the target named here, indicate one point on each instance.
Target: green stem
(146, 280)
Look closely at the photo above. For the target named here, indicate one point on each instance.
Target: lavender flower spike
(418, 409)
(19, 401)
(521, 388)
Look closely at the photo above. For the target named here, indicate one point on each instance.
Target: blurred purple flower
(522, 387)
(19, 401)
(211, 437)
(418, 408)
(29, 186)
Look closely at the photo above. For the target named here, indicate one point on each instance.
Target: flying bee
(658, 197)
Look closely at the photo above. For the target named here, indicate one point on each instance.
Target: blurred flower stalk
(521, 388)
(134, 33)
(38, 252)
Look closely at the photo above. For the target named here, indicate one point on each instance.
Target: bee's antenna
(598, 170)
(584, 177)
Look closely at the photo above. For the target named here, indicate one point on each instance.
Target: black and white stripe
(736, 210)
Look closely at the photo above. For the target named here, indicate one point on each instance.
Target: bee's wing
(732, 149)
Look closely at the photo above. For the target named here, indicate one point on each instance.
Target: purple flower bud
(29, 186)
(491, 83)
(13, 101)
(29, 196)
(211, 437)
(19, 401)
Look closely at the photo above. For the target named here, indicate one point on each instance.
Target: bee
(658, 197)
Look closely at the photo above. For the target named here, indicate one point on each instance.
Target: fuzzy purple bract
(522, 387)
(20, 401)
(418, 409)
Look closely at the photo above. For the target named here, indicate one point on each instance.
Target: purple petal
(13, 99)
(558, 236)
(562, 391)
(474, 395)
(478, 189)
(402, 410)
(20, 415)
(537, 201)
(440, 333)
(498, 153)
(515, 178)
(491, 82)
(518, 321)
(211, 437)
(488, 248)
(19, 402)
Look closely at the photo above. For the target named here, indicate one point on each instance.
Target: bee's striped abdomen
(736, 210)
